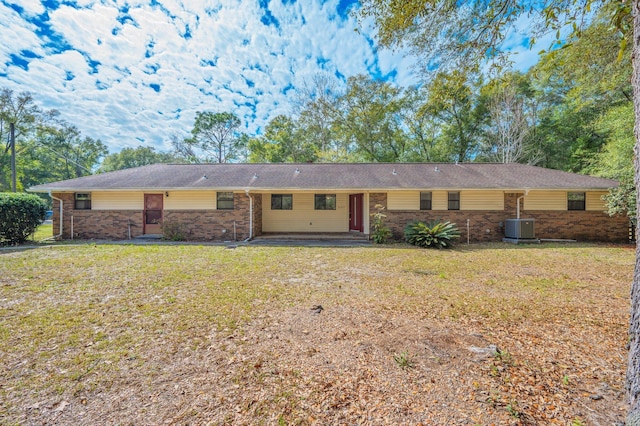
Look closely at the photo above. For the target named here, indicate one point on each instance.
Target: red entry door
(153, 213)
(356, 213)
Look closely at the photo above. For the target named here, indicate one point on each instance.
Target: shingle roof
(337, 176)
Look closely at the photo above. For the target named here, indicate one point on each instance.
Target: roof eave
(293, 189)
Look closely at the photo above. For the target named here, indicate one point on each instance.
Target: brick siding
(200, 225)
(67, 212)
(485, 226)
(257, 214)
(106, 224)
(218, 225)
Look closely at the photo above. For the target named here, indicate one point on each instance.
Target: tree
(280, 143)
(573, 95)
(512, 114)
(47, 148)
(470, 32)
(57, 152)
(422, 128)
(317, 107)
(511, 126)
(460, 112)
(22, 112)
(615, 160)
(466, 34)
(214, 138)
(576, 71)
(134, 157)
(370, 123)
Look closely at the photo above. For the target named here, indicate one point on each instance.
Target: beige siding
(440, 200)
(469, 200)
(481, 200)
(595, 202)
(117, 201)
(545, 200)
(303, 217)
(403, 200)
(190, 200)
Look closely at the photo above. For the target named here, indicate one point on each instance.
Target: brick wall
(201, 225)
(94, 224)
(67, 211)
(257, 214)
(214, 225)
(106, 224)
(484, 226)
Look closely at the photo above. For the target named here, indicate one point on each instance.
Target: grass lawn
(43, 231)
(203, 334)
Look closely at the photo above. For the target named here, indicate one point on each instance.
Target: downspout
(250, 216)
(526, 192)
(60, 234)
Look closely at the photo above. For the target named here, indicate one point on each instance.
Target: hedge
(20, 215)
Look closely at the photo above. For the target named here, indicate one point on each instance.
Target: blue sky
(134, 72)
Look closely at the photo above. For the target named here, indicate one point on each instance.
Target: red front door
(356, 215)
(153, 213)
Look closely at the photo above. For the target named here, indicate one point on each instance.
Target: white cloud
(15, 38)
(32, 7)
(232, 61)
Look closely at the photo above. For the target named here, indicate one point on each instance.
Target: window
(454, 201)
(281, 202)
(575, 200)
(82, 201)
(225, 200)
(425, 201)
(325, 202)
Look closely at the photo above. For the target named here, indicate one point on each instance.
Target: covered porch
(320, 214)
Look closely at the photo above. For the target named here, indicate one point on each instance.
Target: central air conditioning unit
(520, 228)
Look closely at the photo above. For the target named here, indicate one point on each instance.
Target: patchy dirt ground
(344, 366)
(362, 358)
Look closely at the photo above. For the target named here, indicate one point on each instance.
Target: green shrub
(20, 215)
(174, 231)
(433, 234)
(381, 232)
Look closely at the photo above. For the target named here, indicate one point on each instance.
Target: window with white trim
(224, 201)
(425, 201)
(454, 200)
(324, 202)
(82, 201)
(281, 201)
(576, 200)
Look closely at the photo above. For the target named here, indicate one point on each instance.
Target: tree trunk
(633, 367)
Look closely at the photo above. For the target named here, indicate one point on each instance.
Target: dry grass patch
(191, 334)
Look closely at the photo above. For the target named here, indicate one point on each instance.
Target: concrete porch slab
(323, 236)
(313, 240)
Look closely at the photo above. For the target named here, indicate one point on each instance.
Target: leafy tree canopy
(135, 157)
(466, 33)
(214, 138)
(47, 148)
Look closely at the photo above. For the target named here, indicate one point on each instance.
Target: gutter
(61, 211)
(318, 189)
(526, 192)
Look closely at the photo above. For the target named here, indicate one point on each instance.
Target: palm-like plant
(434, 234)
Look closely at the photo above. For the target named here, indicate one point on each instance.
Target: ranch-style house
(228, 202)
